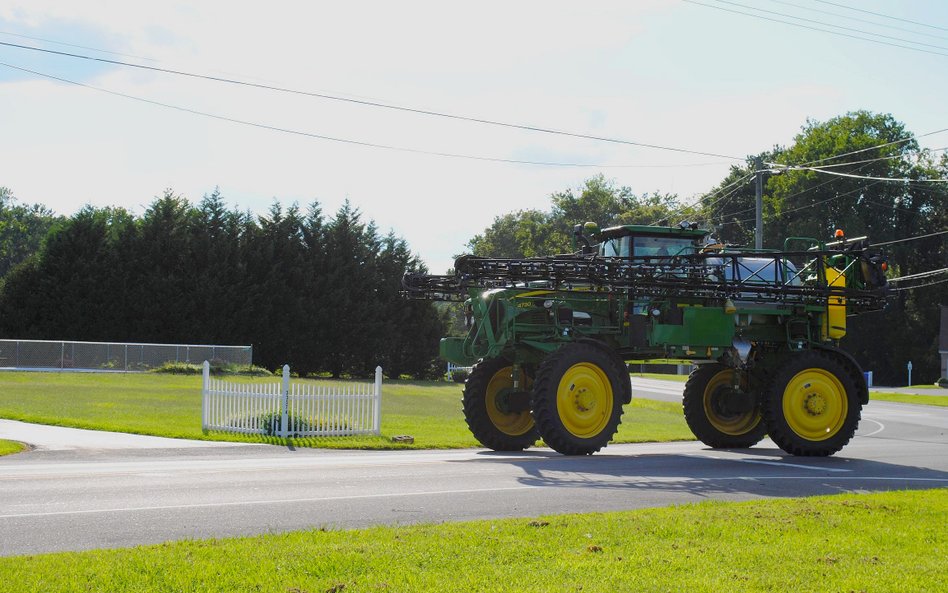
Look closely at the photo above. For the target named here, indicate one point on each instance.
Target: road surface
(52, 500)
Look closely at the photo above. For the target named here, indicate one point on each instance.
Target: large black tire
(812, 407)
(489, 383)
(705, 403)
(577, 399)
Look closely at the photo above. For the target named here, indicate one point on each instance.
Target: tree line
(321, 295)
(887, 200)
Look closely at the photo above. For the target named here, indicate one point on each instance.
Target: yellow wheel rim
(733, 424)
(815, 404)
(510, 423)
(584, 400)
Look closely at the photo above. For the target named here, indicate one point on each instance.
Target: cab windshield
(646, 246)
(618, 247)
(662, 246)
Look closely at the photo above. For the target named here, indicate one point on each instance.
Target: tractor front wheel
(497, 415)
(577, 399)
(719, 415)
(813, 407)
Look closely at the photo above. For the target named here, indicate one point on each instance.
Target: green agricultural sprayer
(550, 336)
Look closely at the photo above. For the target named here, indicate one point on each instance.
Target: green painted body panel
(701, 327)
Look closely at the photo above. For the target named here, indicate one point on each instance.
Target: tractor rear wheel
(718, 415)
(577, 399)
(498, 417)
(812, 407)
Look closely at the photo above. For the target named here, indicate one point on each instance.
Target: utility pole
(759, 218)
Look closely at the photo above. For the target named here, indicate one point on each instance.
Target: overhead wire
(825, 24)
(857, 19)
(910, 238)
(901, 288)
(894, 18)
(925, 274)
(64, 44)
(861, 150)
(875, 160)
(803, 207)
(705, 197)
(840, 34)
(801, 192)
(869, 177)
(299, 132)
(369, 103)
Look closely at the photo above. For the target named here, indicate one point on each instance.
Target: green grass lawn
(663, 376)
(910, 398)
(892, 542)
(10, 447)
(170, 405)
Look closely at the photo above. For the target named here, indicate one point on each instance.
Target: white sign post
(909, 366)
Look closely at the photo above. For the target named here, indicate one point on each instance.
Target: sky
(701, 76)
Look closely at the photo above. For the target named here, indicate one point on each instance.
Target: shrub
(217, 368)
(180, 368)
(271, 422)
(460, 375)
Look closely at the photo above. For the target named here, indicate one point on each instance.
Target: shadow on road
(708, 473)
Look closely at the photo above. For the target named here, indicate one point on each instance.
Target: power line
(857, 19)
(911, 238)
(806, 190)
(850, 175)
(368, 103)
(757, 16)
(875, 160)
(309, 134)
(861, 150)
(825, 24)
(706, 197)
(925, 274)
(64, 44)
(901, 288)
(805, 206)
(890, 206)
(894, 18)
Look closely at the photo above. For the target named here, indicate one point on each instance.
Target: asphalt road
(53, 500)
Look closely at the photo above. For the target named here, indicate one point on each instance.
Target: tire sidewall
(478, 420)
(779, 428)
(545, 409)
(697, 419)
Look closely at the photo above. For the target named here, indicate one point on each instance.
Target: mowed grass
(170, 405)
(10, 447)
(662, 376)
(910, 398)
(893, 542)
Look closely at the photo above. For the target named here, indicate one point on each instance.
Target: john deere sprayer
(549, 337)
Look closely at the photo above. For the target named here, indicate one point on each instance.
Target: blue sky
(662, 72)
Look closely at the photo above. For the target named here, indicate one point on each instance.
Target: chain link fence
(113, 356)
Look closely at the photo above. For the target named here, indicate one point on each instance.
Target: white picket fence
(284, 409)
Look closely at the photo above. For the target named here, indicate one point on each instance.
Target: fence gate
(284, 409)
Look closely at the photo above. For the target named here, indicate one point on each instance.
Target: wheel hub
(582, 398)
(815, 404)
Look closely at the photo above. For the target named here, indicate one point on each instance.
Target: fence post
(377, 421)
(204, 394)
(285, 404)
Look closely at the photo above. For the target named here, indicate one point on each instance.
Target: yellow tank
(834, 323)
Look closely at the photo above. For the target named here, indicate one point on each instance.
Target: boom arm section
(713, 275)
